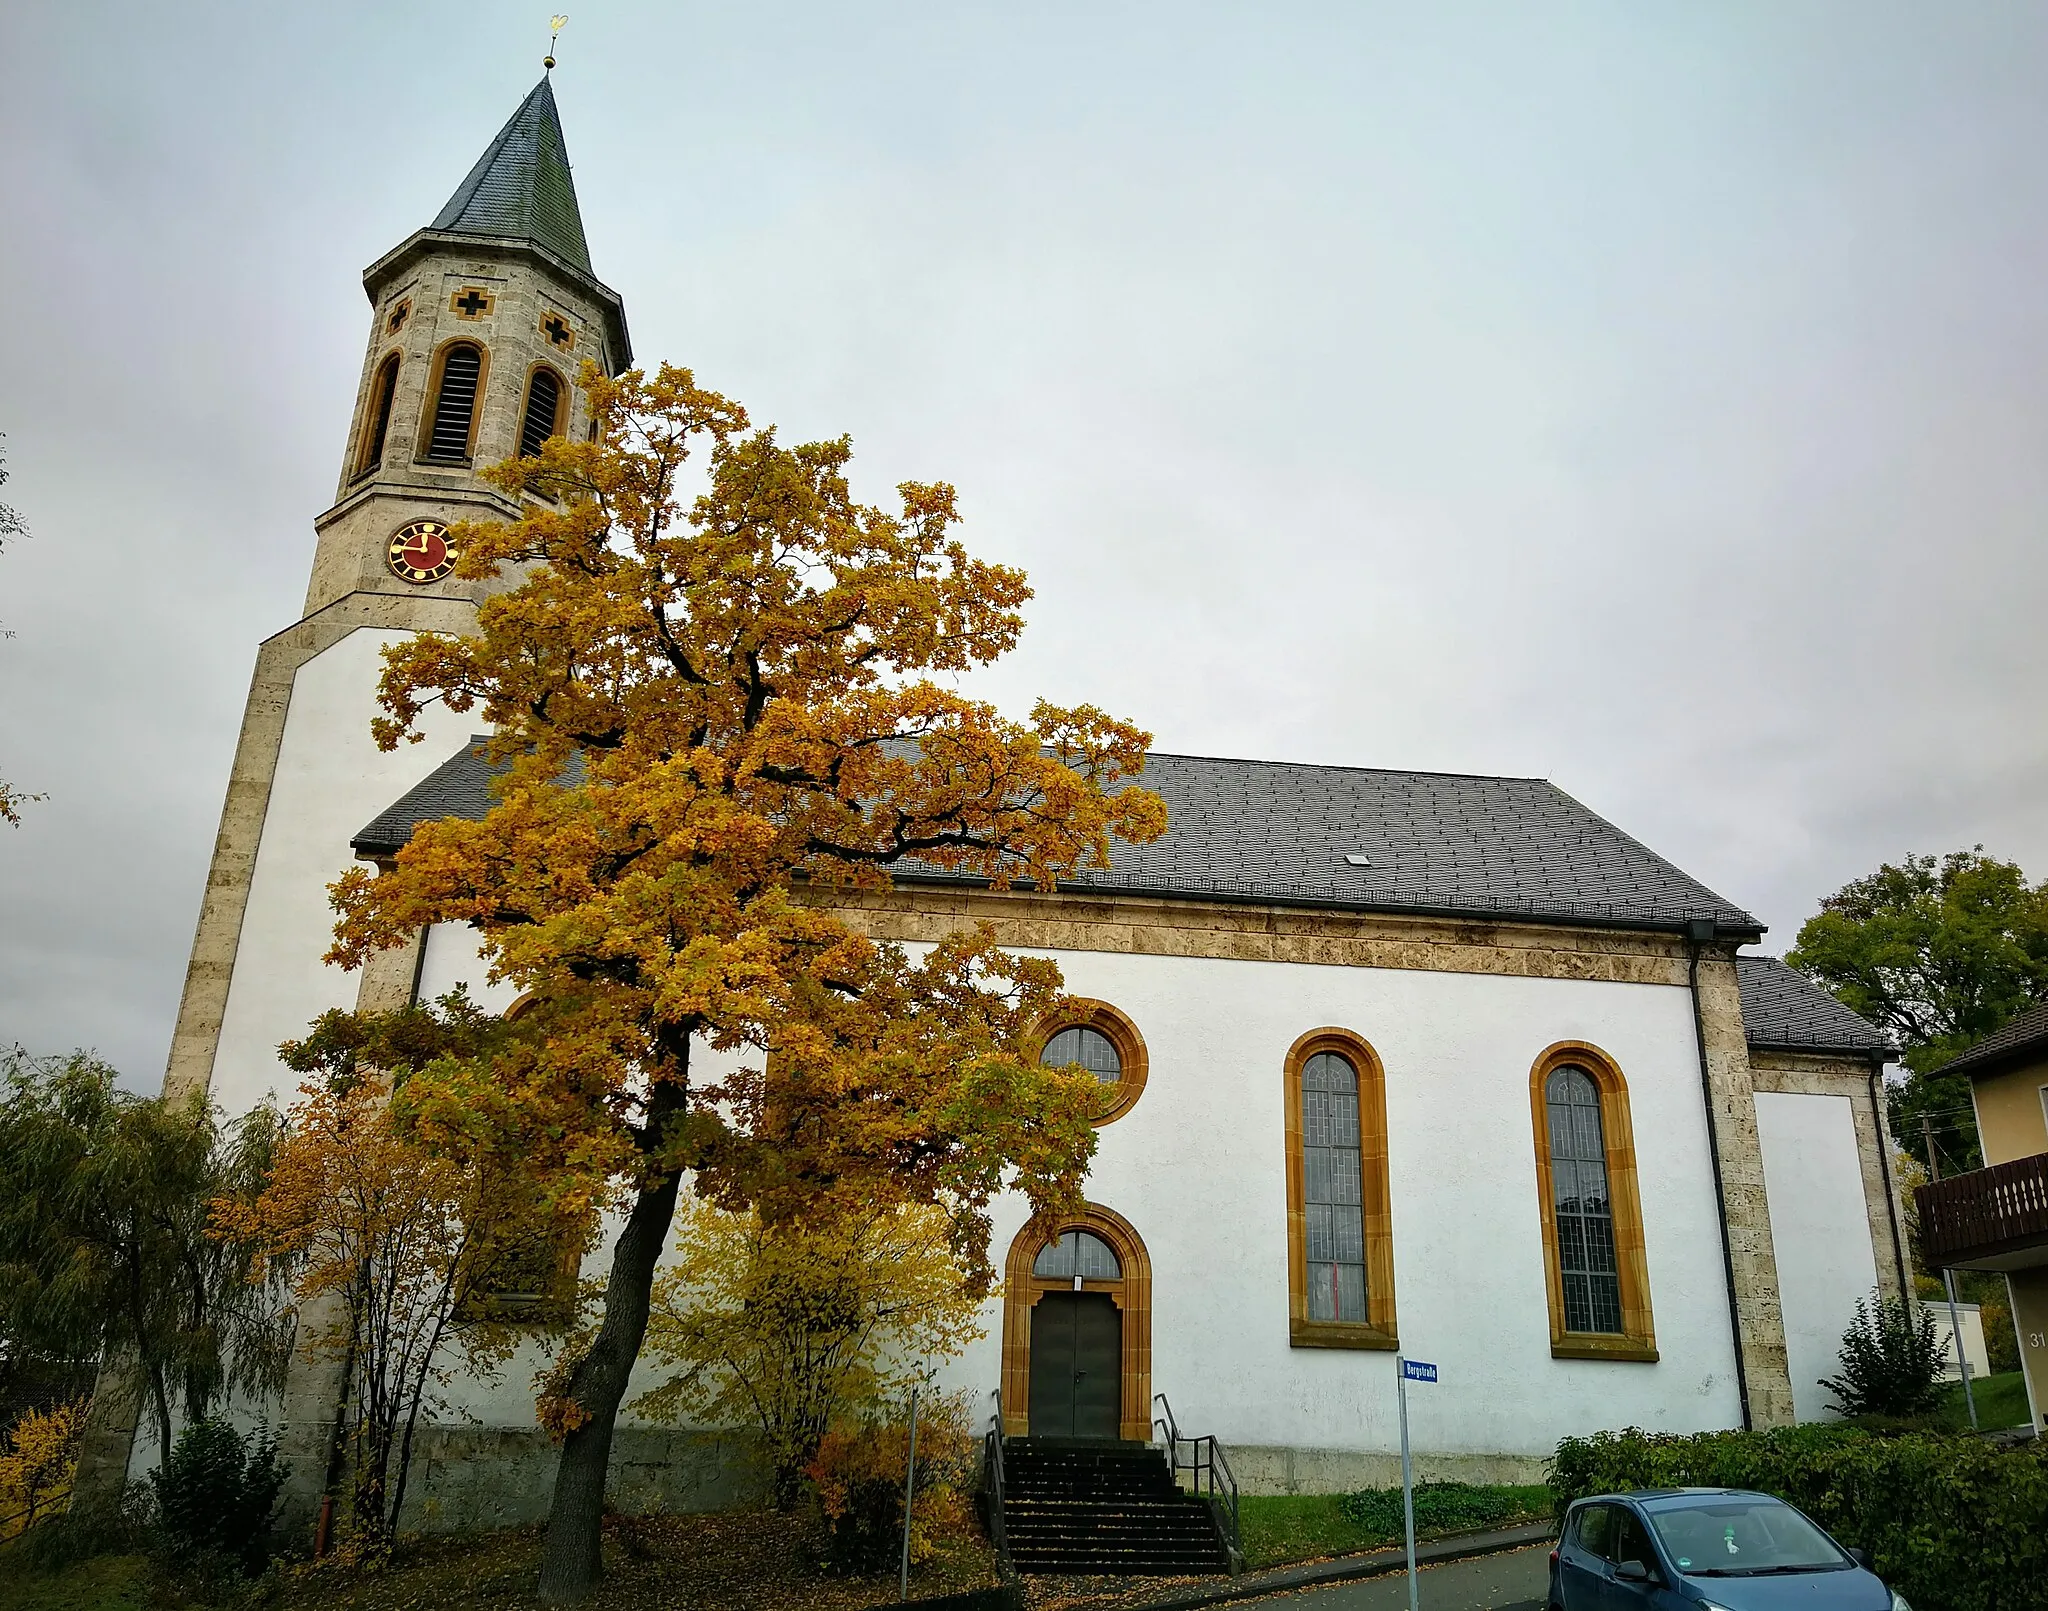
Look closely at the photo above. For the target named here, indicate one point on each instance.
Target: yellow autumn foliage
(725, 704)
(787, 1327)
(37, 1464)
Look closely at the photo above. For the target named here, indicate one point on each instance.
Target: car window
(1631, 1543)
(1596, 1530)
(1733, 1537)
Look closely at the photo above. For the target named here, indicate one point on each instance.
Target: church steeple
(521, 187)
(480, 324)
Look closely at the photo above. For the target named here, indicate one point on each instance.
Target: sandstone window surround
(455, 384)
(542, 414)
(377, 417)
(1340, 1242)
(1097, 1039)
(1596, 1268)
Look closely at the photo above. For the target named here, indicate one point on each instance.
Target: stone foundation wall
(1270, 1470)
(467, 1479)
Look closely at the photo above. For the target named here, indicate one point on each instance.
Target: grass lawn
(732, 1561)
(1304, 1527)
(111, 1583)
(2001, 1401)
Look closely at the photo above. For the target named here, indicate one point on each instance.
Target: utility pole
(909, 1494)
(1948, 1277)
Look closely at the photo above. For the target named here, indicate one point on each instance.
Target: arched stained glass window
(1077, 1253)
(1333, 1189)
(543, 409)
(1582, 1203)
(462, 368)
(1081, 1047)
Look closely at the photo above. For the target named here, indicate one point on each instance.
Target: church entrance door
(1076, 1366)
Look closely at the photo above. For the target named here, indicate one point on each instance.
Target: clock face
(420, 552)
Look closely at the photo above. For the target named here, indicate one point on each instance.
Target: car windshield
(1743, 1538)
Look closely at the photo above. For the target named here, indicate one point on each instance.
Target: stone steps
(1103, 1508)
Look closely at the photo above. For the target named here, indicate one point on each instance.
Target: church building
(1392, 1061)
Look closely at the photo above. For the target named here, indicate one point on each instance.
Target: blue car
(1705, 1549)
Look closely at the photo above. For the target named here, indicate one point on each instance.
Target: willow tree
(711, 678)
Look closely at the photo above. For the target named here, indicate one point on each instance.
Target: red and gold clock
(420, 552)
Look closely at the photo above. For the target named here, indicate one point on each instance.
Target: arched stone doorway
(1080, 1320)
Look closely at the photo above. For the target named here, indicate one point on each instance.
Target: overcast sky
(1652, 398)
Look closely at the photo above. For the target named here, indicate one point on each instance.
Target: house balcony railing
(1995, 1219)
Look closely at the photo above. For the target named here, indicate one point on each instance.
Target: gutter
(1884, 1164)
(1700, 932)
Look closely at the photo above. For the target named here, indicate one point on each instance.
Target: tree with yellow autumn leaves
(38, 1458)
(716, 715)
(790, 1326)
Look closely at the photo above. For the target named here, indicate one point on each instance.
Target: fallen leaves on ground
(728, 1561)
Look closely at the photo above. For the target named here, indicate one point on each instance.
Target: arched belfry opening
(1077, 1329)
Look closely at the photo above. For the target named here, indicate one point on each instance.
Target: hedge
(1951, 1522)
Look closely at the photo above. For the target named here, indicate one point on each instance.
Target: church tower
(479, 324)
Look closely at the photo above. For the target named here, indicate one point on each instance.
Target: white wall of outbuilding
(1819, 1227)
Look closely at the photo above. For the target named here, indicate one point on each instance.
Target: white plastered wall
(331, 780)
(506, 1396)
(1198, 1167)
(1821, 1230)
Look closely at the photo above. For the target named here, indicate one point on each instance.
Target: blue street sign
(1415, 1371)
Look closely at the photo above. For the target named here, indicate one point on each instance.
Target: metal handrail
(992, 1479)
(1209, 1473)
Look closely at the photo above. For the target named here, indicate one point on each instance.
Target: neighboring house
(1390, 1059)
(1996, 1218)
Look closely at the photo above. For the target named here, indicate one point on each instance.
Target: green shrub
(1891, 1363)
(216, 1495)
(1440, 1507)
(1952, 1523)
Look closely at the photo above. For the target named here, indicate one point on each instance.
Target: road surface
(1514, 1580)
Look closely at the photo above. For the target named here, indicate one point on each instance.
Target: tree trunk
(569, 1563)
(160, 1401)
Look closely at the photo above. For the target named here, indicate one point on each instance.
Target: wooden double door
(1077, 1345)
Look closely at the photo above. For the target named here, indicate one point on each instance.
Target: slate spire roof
(521, 186)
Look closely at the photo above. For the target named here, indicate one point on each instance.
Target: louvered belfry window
(543, 401)
(379, 422)
(455, 405)
(1333, 1188)
(1585, 1211)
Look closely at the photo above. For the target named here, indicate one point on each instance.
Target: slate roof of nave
(1440, 843)
(521, 186)
(1784, 1010)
